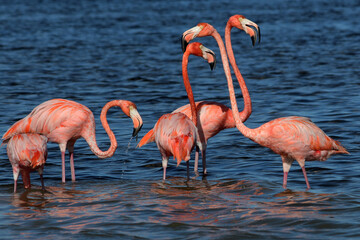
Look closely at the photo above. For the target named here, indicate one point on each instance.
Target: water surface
(307, 64)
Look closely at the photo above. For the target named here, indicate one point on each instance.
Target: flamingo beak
(136, 131)
(209, 56)
(184, 44)
(137, 120)
(252, 29)
(189, 35)
(212, 63)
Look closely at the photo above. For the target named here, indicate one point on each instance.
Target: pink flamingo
(293, 138)
(174, 133)
(215, 117)
(64, 121)
(27, 152)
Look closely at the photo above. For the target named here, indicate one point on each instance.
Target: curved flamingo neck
(188, 87)
(92, 141)
(245, 114)
(239, 124)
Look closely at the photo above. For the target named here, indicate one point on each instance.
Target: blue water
(307, 64)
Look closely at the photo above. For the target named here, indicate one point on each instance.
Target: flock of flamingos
(176, 134)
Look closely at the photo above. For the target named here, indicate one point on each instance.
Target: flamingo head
(129, 108)
(249, 27)
(197, 49)
(200, 30)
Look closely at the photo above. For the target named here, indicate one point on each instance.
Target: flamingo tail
(148, 138)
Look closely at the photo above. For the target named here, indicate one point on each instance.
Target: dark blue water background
(95, 51)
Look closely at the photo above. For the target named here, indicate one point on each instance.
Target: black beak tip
(183, 44)
(253, 40)
(259, 34)
(212, 65)
(136, 131)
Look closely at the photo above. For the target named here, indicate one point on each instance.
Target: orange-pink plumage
(27, 152)
(294, 138)
(63, 121)
(175, 133)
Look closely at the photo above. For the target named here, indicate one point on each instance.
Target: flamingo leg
(164, 165)
(40, 171)
(305, 176)
(285, 179)
(63, 166)
(15, 184)
(286, 167)
(16, 172)
(196, 162)
(203, 155)
(72, 166)
(70, 146)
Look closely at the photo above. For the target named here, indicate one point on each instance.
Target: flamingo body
(294, 138)
(175, 135)
(214, 117)
(27, 152)
(63, 121)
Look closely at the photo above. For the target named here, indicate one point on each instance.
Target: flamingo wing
(296, 136)
(52, 115)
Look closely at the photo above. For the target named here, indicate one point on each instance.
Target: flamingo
(174, 133)
(293, 138)
(215, 117)
(27, 152)
(63, 121)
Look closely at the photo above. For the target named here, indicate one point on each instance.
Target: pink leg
(164, 165)
(196, 163)
(285, 179)
(164, 173)
(15, 185)
(63, 166)
(203, 155)
(305, 176)
(72, 166)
